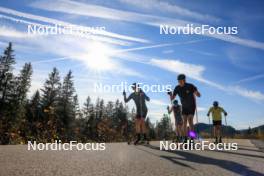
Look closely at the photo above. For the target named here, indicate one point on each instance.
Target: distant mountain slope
(205, 128)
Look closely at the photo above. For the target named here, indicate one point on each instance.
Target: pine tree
(67, 104)
(88, 115)
(24, 82)
(77, 110)
(18, 101)
(7, 62)
(51, 91)
(6, 74)
(34, 108)
(87, 108)
(97, 108)
(34, 118)
(164, 127)
(49, 101)
(101, 109)
(21, 86)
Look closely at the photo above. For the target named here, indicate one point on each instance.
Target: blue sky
(226, 68)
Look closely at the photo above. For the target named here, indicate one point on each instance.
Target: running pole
(210, 128)
(196, 114)
(226, 131)
(128, 140)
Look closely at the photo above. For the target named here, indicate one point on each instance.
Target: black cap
(215, 103)
(181, 77)
(134, 85)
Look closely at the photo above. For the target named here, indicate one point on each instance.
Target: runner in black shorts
(139, 98)
(187, 93)
(177, 111)
(217, 112)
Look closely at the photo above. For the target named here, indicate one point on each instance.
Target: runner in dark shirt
(187, 98)
(187, 93)
(177, 111)
(139, 98)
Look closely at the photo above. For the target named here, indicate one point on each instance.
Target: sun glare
(99, 57)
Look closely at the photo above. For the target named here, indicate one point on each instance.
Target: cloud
(97, 11)
(162, 6)
(176, 66)
(10, 32)
(62, 23)
(158, 102)
(254, 95)
(201, 109)
(196, 72)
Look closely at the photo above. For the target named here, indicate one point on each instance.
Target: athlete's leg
(138, 130)
(215, 131)
(144, 128)
(143, 124)
(180, 129)
(178, 132)
(185, 130)
(220, 132)
(190, 121)
(137, 125)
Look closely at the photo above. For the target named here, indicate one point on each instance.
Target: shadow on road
(241, 154)
(171, 159)
(252, 150)
(224, 164)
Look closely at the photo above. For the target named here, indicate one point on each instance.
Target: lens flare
(192, 134)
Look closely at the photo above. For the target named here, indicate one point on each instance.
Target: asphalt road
(123, 159)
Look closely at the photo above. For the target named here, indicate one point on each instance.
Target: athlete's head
(135, 87)
(215, 103)
(181, 79)
(175, 102)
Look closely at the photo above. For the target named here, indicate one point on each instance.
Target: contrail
(158, 46)
(126, 50)
(250, 79)
(51, 60)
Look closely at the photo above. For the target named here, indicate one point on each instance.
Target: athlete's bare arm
(197, 93)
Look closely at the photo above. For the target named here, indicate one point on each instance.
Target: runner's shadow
(172, 159)
(225, 164)
(242, 154)
(247, 149)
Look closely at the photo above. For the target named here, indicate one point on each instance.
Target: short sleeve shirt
(186, 94)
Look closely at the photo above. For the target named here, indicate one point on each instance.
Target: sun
(99, 57)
